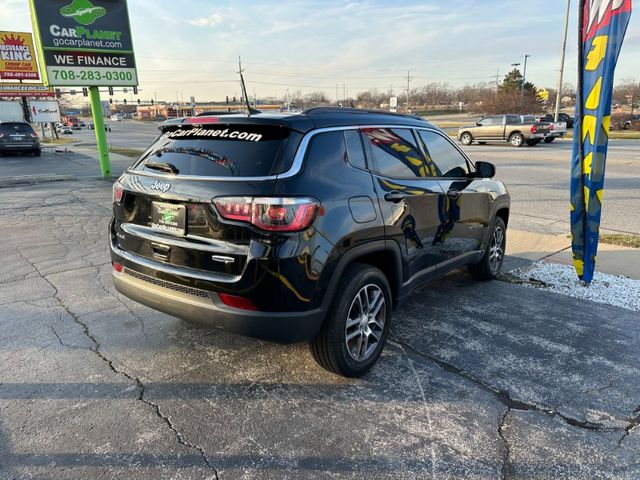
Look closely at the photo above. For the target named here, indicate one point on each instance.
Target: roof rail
(348, 110)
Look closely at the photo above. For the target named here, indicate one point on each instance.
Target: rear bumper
(206, 308)
(18, 147)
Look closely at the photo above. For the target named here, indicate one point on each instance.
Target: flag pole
(580, 116)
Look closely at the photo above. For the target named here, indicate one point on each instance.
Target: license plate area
(169, 217)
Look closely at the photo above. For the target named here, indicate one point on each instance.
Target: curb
(34, 179)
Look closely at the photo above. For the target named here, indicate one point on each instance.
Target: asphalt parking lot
(480, 381)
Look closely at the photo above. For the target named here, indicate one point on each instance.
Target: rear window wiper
(165, 167)
(207, 154)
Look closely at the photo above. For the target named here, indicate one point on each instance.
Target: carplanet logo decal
(83, 12)
(217, 133)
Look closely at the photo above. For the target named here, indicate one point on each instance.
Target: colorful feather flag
(602, 26)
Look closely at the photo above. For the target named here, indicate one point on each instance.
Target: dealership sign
(44, 112)
(25, 90)
(85, 42)
(17, 57)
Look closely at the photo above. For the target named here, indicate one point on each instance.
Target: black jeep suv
(302, 227)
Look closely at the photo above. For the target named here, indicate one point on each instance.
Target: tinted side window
(327, 147)
(395, 153)
(446, 159)
(497, 119)
(354, 149)
(485, 122)
(512, 119)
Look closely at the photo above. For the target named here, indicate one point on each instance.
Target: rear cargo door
(166, 213)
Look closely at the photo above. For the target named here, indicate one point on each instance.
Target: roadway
(538, 180)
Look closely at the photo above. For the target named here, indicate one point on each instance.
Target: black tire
(488, 268)
(549, 139)
(626, 126)
(516, 139)
(330, 347)
(466, 138)
(37, 152)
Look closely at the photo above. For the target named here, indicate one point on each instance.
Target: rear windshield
(10, 128)
(220, 151)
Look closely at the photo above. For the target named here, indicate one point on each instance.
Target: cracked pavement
(478, 381)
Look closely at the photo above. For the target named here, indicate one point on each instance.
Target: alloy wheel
(496, 249)
(365, 322)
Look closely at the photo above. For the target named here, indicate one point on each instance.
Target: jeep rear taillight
(118, 191)
(273, 214)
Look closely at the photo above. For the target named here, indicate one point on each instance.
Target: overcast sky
(191, 46)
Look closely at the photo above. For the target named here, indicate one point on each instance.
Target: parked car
(18, 137)
(625, 121)
(632, 123)
(67, 131)
(303, 227)
(510, 128)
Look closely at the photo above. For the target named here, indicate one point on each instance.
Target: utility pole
(564, 49)
(240, 72)
(408, 89)
(524, 79)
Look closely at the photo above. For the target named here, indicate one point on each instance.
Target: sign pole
(101, 137)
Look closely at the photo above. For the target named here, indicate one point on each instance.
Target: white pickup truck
(556, 129)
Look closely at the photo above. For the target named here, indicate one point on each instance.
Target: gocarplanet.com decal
(83, 12)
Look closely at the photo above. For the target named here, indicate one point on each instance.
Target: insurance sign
(17, 57)
(25, 90)
(85, 42)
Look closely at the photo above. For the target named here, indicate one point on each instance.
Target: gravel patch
(608, 289)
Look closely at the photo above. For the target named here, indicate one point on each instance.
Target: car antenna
(250, 109)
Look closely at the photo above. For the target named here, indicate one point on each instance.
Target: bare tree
(627, 93)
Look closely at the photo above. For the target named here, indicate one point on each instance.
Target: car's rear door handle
(394, 196)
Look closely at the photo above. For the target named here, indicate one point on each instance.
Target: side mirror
(485, 170)
(478, 124)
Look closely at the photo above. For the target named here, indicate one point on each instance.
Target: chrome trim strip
(197, 243)
(296, 165)
(222, 259)
(181, 272)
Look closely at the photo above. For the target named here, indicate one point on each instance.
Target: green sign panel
(85, 42)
